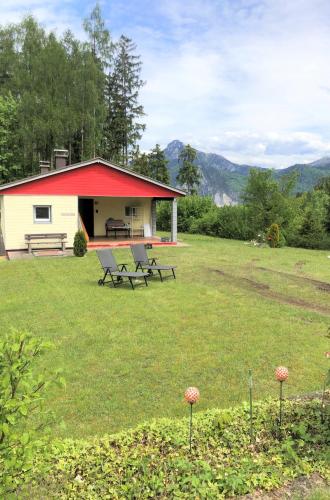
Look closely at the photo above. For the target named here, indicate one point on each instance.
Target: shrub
(20, 397)
(273, 236)
(199, 214)
(207, 224)
(189, 209)
(225, 222)
(153, 460)
(80, 244)
(282, 240)
(302, 226)
(233, 223)
(319, 242)
(311, 230)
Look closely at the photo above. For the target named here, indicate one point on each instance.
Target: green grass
(128, 355)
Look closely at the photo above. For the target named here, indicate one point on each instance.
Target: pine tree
(158, 165)
(122, 130)
(140, 163)
(313, 227)
(268, 201)
(189, 175)
(9, 168)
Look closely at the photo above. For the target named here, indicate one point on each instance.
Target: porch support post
(153, 217)
(174, 220)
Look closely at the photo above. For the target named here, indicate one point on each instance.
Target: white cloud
(261, 67)
(56, 15)
(269, 149)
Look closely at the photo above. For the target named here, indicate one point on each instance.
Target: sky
(247, 79)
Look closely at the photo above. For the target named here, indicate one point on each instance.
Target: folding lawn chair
(149, 264)
(117, 272)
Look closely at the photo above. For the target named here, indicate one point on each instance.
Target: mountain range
(225, 180)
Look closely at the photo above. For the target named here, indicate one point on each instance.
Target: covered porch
(121, 221)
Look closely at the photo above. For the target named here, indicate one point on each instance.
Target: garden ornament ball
(191, 395)
(281, 373)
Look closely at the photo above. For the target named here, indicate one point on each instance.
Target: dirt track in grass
(320, 285)
(265, 291)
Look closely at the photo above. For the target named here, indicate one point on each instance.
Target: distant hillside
(224, 180)
(309, 173)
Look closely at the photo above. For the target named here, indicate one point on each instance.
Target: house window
(42, 213)
(130, 211)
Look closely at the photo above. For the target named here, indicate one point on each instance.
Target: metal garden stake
(325, 384)
(281, 374)
(191, 396)
(251, 407)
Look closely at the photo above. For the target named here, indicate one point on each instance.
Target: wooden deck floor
(103, 242)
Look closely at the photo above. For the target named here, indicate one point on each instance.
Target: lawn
(128, 355)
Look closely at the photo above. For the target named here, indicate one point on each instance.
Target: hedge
(153, 459)
(304, 227)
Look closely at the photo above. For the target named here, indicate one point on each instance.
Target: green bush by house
(79, 244)
(273, 236)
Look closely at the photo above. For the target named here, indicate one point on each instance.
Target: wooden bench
(116, 225)
(31, 239)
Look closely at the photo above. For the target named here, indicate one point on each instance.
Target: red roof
(93, 178)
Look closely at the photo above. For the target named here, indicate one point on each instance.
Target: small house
(105, 200)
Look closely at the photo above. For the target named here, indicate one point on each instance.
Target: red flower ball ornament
(191, 395)
(281, 373)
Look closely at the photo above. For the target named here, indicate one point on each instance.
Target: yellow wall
(18, 218)
(115, 208)
(2, 218)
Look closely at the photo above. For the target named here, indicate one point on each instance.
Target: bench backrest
(114, 223)
(44, 236)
